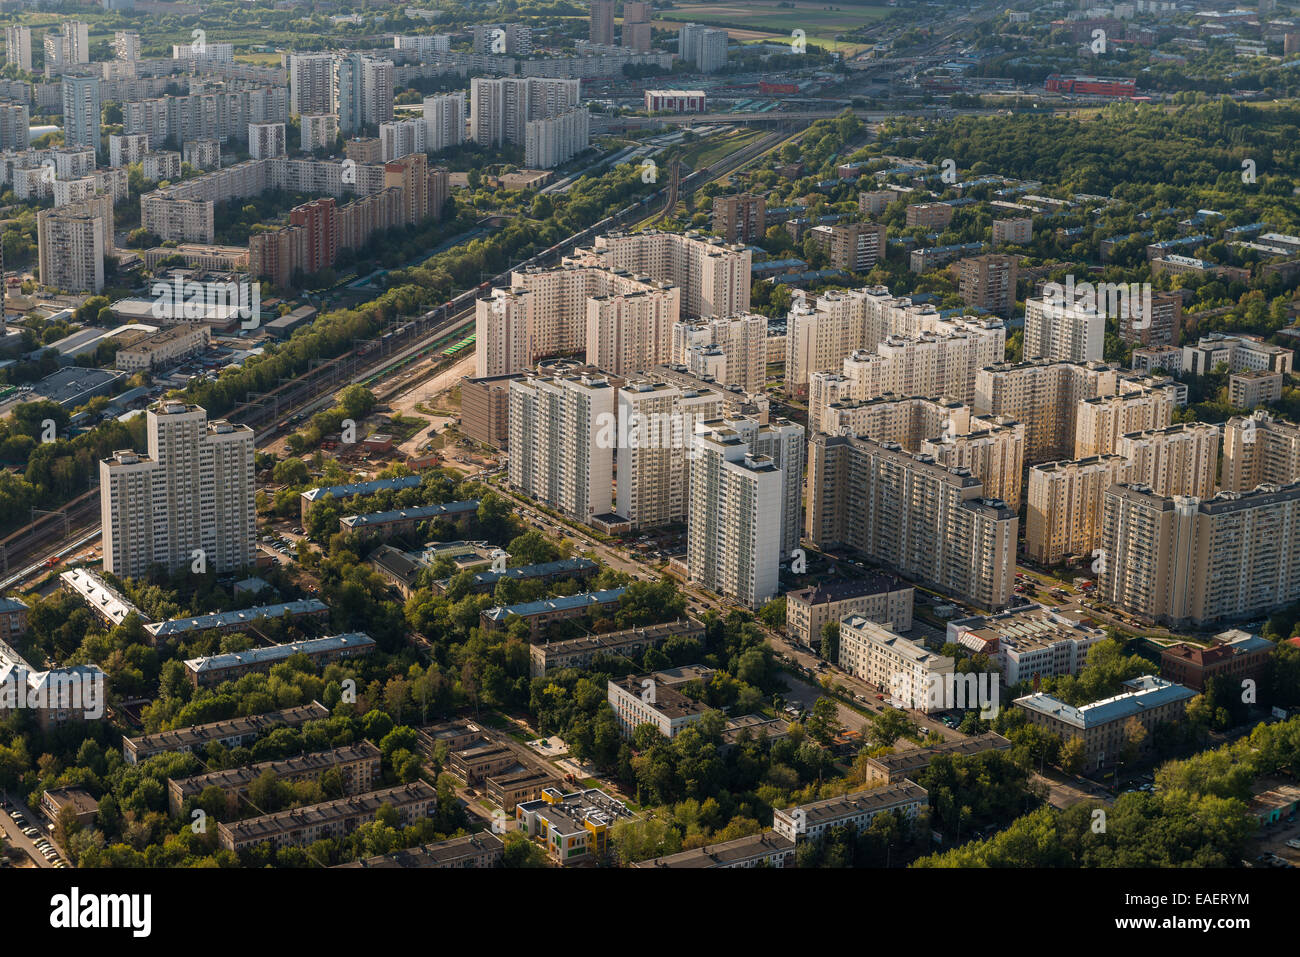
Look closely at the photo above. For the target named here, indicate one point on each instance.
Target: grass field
(708, 151)
(765, 20)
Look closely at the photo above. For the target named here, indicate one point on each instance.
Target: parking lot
(28, 832)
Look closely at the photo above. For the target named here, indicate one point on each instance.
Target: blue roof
(224, 619)
(417, 513)
(541, 570)
(363, 488)
(565, 603)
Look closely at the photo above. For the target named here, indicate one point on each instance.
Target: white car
(1294, 844)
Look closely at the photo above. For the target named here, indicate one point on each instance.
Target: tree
(888, 726)
(824, 722)
(831, 641)
(522, 852)
(1072, 755)
(1134, 734)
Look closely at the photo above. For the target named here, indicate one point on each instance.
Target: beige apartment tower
(1259, 449)
(1063, 517)
(1194, 561)
(913, 516)
(188, 503)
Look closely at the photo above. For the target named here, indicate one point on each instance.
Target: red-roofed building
(1235, 654)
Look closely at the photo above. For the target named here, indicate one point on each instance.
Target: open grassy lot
(766, 20)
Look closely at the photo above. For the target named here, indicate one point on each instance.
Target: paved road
(1063, 791)
(700, 600)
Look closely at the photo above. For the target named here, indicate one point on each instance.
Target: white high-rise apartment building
(81, 111)
(444, 121)
(1179, 460)
(424, 45)
(731, 350)
(705, 48)
(623, 323)
(362, 92)
(1064, 333)
(126, 148)
(554, 140)
(501, 107)
(126, 45)
(266, 140)
(656, 429)
(784, 442)
(939, 363)
(712, 275)
(821, 333)
(18, 46)
(732, 545)
(67, 48)
(562, 440)
(200, 49)
(401, 138)
(311, 84)
(188, 503)
(319, 131)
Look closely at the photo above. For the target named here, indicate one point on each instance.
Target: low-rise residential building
(214, 669)
(1235, 654)
(315, 495)
(509, 789)
(900, 765)
(405, 521)
(304, 609)
(582, 652)
(331, 819)
(357, 766)
(229, 732)
(1102, 726)
(541, 613)
(108, 604)
(807, 822)
(13, 618)
(652, 699)
(887, 660)
(85, 807)
(767, 849)
(561, 570)
(879, 597)
(484, 849)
